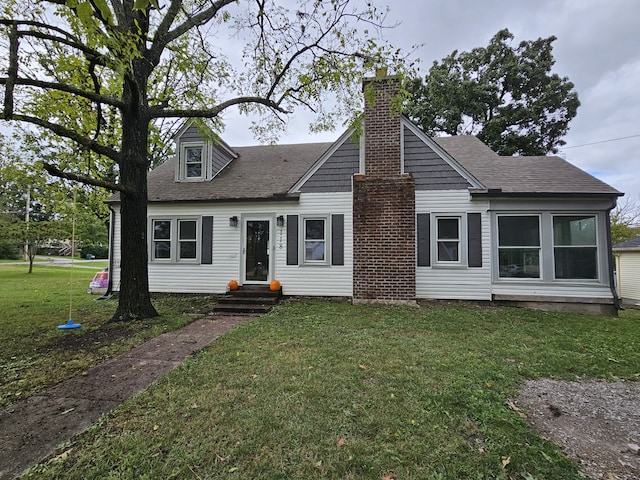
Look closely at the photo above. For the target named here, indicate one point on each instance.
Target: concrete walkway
(30, 430)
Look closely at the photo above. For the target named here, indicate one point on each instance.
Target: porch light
(233, 221)
(280, 221)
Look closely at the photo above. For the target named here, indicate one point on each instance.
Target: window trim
(196, 241)
(174, 240)
(182, 171)
(539, 247)
(596, 246)
(152, 236)
(326, 240)
(462, 243)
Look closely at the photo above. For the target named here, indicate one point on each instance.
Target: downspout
(612, 282)
(112, 224)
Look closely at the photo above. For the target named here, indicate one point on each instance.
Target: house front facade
(389, 216)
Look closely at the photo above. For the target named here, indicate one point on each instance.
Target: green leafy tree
(625, 221)
(505, 95)
(34, 235)
(109, 76)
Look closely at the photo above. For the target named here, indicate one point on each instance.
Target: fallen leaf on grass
(506, 461)
(63, 455)
(515, 408)
(388, 477)
(341, 441)
(362, 367)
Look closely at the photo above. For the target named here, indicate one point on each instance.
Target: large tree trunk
(134, 300)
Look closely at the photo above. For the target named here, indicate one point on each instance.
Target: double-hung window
(575, 249)
(188, 239)
(315, 240)
(162, 239)
(519, 246)
(192, 162)
(448, 239)
(175, 239)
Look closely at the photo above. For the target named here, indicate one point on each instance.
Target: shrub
(9, 251)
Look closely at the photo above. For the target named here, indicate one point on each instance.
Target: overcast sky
(597, 47)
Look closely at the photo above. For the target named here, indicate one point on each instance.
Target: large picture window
(575, 249)
(315, 240)
(519, 246)
(448, 239)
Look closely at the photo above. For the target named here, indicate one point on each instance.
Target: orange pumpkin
(233, 285)
(274, 286)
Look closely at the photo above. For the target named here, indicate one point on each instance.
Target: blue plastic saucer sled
(69, 325)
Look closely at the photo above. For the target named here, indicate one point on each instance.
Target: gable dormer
(200, 156)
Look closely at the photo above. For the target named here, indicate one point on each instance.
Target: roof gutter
(498, 193)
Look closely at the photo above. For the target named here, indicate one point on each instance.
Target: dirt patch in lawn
(88, 339)
(597, 423)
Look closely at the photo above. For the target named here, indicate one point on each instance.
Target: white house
(627, 255)
(392, 216)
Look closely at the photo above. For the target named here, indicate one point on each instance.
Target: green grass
(320, 389)
(35, 354)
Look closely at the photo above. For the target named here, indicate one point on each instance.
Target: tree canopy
(504, 94)
(106, 80)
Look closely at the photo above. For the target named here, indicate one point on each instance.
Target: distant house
(391, 216)
(627, 255)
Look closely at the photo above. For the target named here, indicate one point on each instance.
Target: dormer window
(200, 157)
(192, 161)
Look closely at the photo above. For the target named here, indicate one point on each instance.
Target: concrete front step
(241, 309)
(248, 300)
(231, 299)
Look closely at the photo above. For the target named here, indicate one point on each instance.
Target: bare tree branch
(156, 112)
(164, 36)
(71, 135)
(56, 172)
(63, 87)
(70, 39)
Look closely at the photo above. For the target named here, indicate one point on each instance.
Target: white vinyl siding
(183, 277)
(437, 282)
(628, 275)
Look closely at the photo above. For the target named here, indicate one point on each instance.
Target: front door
(256, 251)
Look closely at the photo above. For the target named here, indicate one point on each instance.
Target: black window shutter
(206, 254)
(337, 239)
(292, 239)
(424, 240)
(474, 234)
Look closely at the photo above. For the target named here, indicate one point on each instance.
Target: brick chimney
(384, 257)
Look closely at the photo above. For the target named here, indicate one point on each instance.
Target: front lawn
(321, 389)
(35, 354)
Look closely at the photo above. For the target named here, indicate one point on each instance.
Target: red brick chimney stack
(384, 257)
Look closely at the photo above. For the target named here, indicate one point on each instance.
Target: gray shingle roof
(260, 172)
(522, 175)
(267, 172)
(633, 243)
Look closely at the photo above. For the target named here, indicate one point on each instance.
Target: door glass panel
(257, 251)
